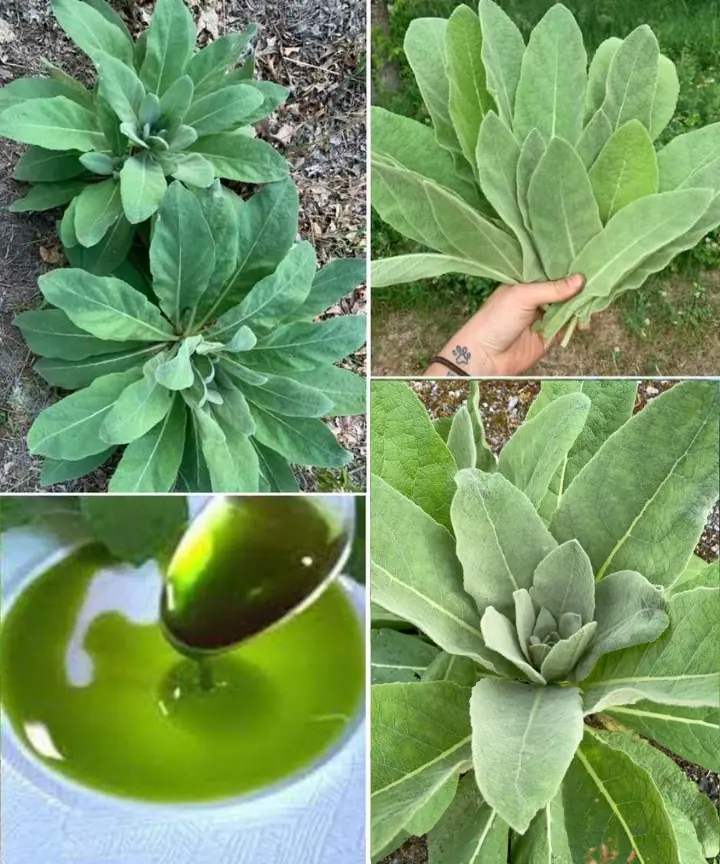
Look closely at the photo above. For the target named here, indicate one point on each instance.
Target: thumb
(541, 293)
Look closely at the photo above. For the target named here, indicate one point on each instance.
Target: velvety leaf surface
(333, 281)
(597, 75)
(168, 45)
(545, 841)
(55, 123)
(301, 441)
(500, 538)
(223, 109)
(91, 31)
(236, 156)
(51, 333)
(407, 453)
(564, 655)
(629, 610)
(650, 527)
(613, 808)
(667, 91)
(679, 668)
(140, 406)
(502, 54)
(632, 79)
(45, 196)
(564, 582)
(38, 165)
(530, 154)
(461, 440)
(692, 159)
(452, 667)
(410, 268)
(428, 815)
(469, 832)
(73, 374)
(120, 87)
(501, 636)
(60, 470)
(97, 208)
(420, 736)
(398, 657)
(142, 186)
(523, 740)
(625, 170)
(231, 458)
(551, 91)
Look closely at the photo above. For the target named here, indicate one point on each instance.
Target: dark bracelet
(448, 364)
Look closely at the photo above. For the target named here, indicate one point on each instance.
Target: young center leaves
(160, 110)
(538, 165)
(555, 582)
(210, 372)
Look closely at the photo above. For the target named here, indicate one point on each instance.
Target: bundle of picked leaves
(536, 167)
(534, 613)
(212, 371)
(159, 109)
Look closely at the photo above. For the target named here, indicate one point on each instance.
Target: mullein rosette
(210, 370)
(159, 111)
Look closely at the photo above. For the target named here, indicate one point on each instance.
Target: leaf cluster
(159, 110)
(209, 370)
(538, 166)
(533, 613)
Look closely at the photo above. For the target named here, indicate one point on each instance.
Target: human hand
(499, 339)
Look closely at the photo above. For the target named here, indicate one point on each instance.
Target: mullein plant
(158, 111)
(210, 372)
(536, 165)
(535, 613)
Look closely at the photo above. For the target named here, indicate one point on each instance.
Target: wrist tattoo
(462, 355)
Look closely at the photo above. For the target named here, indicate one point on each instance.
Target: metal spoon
(247, 563)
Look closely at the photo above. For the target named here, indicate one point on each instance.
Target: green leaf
(107, 256)
(91, 30)
(551, 92)
(142, 405)
(98, 163)
(632, 79)
(182, 253)
(275, 470)
(169, 45)
(420, 737)
(410, 268)
(301, 441)
(194, 170)
(468, 100)
(529, 734)
(562, 209)
(120, 87)
(594, 137)
(563, 582)
(501, 636)
(143, 185)
(461, 439)
(21, 90)
(629, 611)
(346, 390)
(273, 95)
(303, 345)
(424, 48)
(407, 452)
(176, 100)
(236, 156)
(110, 15)
(545, 841)
(137, 528)
(692, 159)
(182, 138)
(691, 733)
(336, 279)
(56, 124)
(625, 170)
(209, 66)
(97, 209)
(532, 456)
(70, 429)
(177, 373)
(680, 482)
(45, 196)
(193, 475)
(231, 459)
(450, 667)
(51, 333)
(564, 655)
(104, 306)
(427, 816)
(74, 374)
(234, 413)
(500, 538)
(676, 789)
(697, 574)
(417, 575)
(273, 297)
(39, 165)
(398, 657)
(597, 75)
(631, 236)
(667, 91)
(60, 470)
(470, 831)
(149, 113)
(151, 462)
(679, 668)
(502, 54)
(485, 458)
(288, 398)
(531, 153)
(497, 156)
(223, 109)
(412, 145)
(612, 804)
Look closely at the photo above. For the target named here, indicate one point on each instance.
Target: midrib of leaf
(396, 666)
(165, 337)
(109, 202)
(635, 679)
(611, 803)
(620, 177)
(548, 820)
(650, 500)
(558, 55)
(421, 768)
(499, 546)
(626, 91)
(483, 837)
(103, 359)
(431, 603)
(667, 717)
(159, 438)
(521, 750)
(85, 419)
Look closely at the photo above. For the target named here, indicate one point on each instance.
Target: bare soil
(316, 47)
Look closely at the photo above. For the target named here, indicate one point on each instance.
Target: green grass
(688, 32)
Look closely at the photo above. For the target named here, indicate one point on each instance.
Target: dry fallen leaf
(52, 255)
(284, 134)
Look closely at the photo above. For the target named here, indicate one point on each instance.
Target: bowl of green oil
(227, 674)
